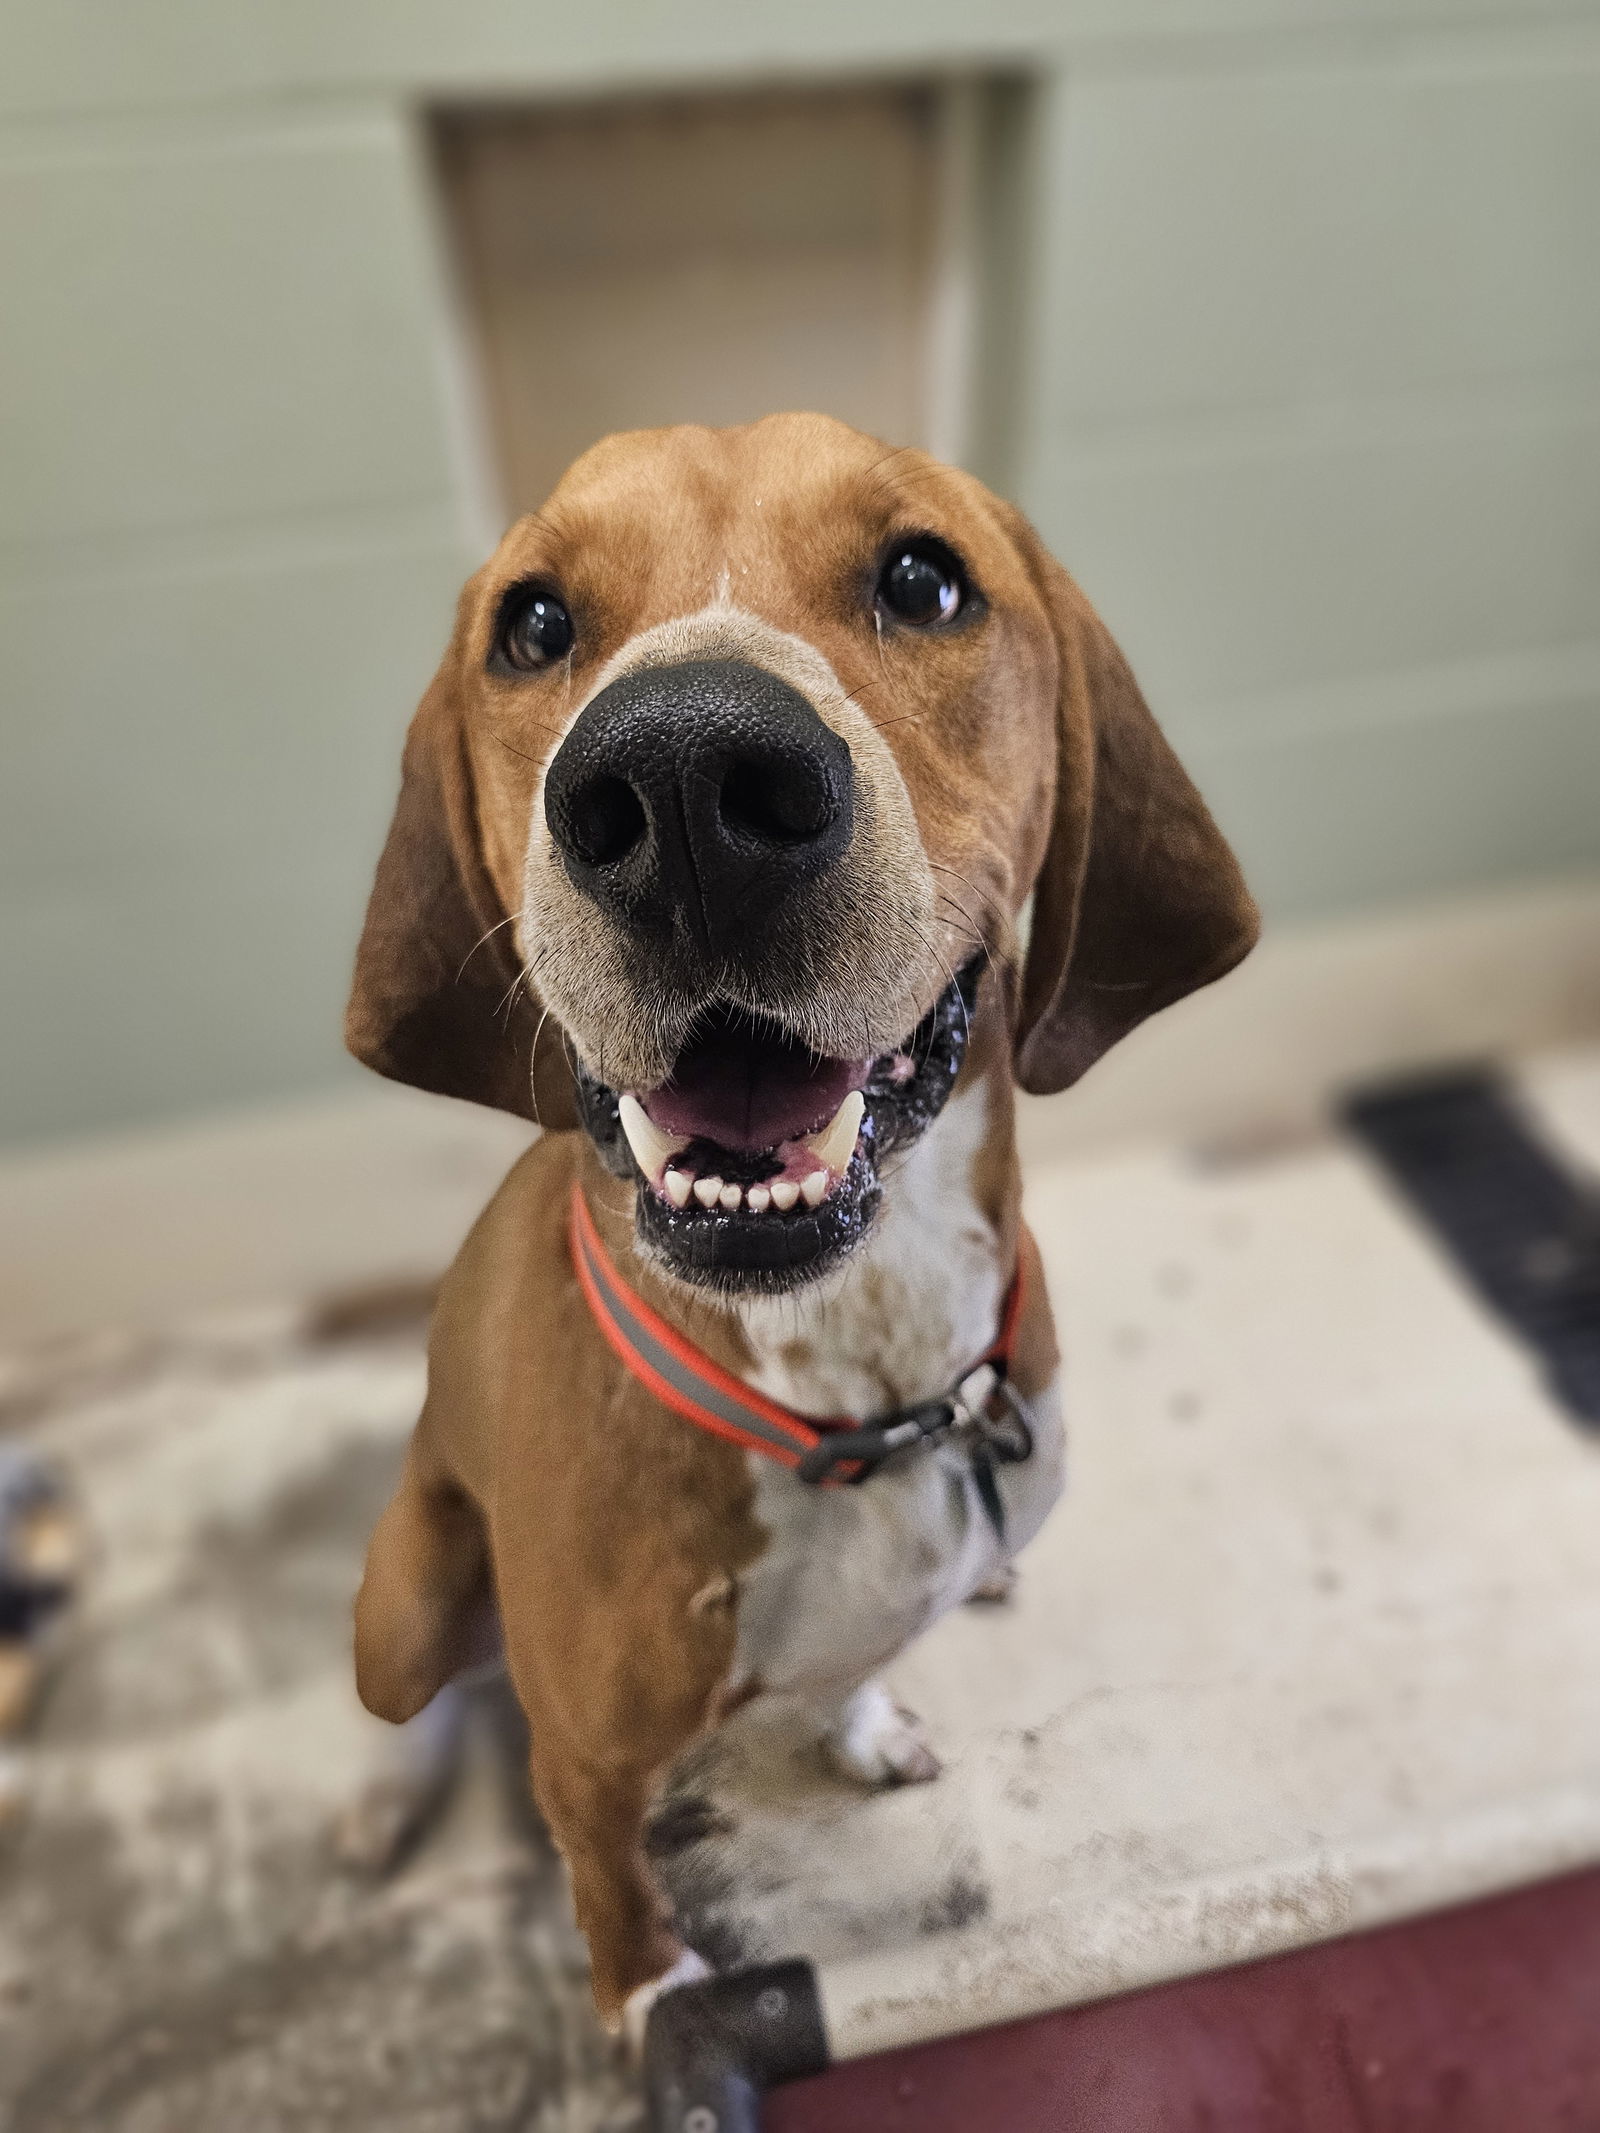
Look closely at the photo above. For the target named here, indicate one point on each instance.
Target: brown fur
(610, 1535)
(606, 1521)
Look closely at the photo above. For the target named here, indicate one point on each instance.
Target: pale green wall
(1312, 405)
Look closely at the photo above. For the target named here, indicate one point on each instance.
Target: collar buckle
(994, 1415)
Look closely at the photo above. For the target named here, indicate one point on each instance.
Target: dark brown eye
(535, 630)
(921, 583)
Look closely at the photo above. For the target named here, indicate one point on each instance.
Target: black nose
(699, 797)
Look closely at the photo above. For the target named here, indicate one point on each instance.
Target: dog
(719, 832)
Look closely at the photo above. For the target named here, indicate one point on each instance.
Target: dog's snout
(700, 796)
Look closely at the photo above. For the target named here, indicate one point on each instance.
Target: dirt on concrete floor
(177, 1948)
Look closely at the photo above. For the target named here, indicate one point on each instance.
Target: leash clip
(989, 1415)
(866, 1449)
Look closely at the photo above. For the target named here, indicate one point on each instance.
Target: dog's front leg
(616, 1680)
(597, 1817)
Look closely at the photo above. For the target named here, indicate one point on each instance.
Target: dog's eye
(921, 583)
(535, 631)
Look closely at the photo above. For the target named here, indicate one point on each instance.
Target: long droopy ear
(438, 999)
(1139, 899)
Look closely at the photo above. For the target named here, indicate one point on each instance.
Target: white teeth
(653, 1150)
(782, 1194)
(836, 1143)
(651, 1147)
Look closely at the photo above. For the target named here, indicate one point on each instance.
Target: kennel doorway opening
(716, 258)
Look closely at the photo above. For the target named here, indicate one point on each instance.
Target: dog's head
(745, 757)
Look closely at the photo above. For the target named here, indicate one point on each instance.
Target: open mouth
(758, 1163)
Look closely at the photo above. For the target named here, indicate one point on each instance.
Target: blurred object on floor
(41, 1559)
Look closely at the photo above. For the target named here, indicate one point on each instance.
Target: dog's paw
(689, 1969)
(876, 1743)
(376, 1830)
(413, 1771)
(996, 1589)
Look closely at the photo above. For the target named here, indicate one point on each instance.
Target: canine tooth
(784, 1194)
(836, 1143)
(814, 1189)
(708, 1191)
(678, 1185)
(731, 1197)
(758, 1199)
(651, 1147)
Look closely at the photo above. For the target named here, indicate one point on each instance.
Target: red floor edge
(1484, 2019)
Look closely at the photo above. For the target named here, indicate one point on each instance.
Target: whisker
(933, 950)
(506, 1006)
(533, 1079)
(980, 937)
(964, 931)
(956, 875)
(478, 943)
(969, 928)
(522, 752)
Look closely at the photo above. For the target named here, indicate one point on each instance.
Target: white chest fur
(850, 1575)
(915, 1306)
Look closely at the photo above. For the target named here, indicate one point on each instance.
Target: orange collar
(688, 1381)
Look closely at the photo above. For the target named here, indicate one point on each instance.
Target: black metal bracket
(1522, 1228)
(712, 2050)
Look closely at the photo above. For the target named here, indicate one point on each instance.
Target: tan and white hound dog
(716, 832)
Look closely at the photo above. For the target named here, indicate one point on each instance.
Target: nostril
(781, 802)
(601, 822)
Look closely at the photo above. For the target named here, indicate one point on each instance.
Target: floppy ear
(437, 999)
(1139, 899)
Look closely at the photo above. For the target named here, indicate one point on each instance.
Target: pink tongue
(749, 1096)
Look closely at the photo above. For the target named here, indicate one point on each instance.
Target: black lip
(769, 1253)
